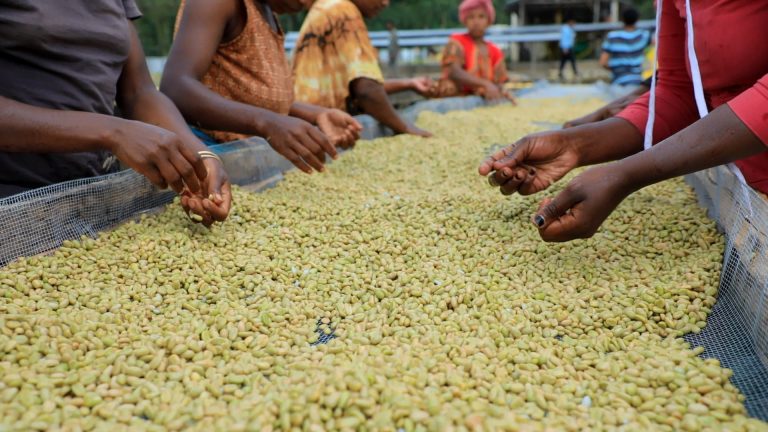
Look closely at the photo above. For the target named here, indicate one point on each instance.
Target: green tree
(156, 26)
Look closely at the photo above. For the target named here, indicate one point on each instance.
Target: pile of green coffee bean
(447, 311)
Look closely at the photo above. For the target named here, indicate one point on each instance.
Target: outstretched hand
(530, 165)
(341, 128)
(424, 86)
(578, 211)
(300, 142)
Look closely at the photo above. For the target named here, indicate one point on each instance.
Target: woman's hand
(341, 128)
(158, 154)
(491, 92)
(579, 210)
(510, 96)
(532, 164)
(424, 86)
(417, 131)
(215, 200)
(298, 141)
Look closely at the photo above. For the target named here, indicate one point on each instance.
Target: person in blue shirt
(624, 51)
(567, 41)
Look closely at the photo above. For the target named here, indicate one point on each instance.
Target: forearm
(466, 79)
(306, 112)
(206, 109)
(393, 86)
(151, 106)
(619, 104)
(604, 58)
(371, 98)
(39, 130)
(717, 139)
(604, 141)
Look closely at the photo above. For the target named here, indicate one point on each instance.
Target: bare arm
(604, 57)
(392, 86)
(340, 128)
(201, 31)
(306, 112)
(157, 153)
(609, 110)
(717, 139)
(139, 99)
(372, 99)
(591, 197)
(539, 160)
(465, 79)
(27, 128)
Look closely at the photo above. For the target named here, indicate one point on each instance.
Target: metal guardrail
(496, 34)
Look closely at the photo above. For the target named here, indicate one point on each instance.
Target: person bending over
(336, 66)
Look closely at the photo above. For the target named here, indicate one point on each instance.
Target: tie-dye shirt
(333, 50)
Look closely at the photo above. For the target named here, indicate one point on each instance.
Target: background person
(394, 45)
(624, 52)
(472, 65)
(66, 67)
(567, 43)
(336, 66)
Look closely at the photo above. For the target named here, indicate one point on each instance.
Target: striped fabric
(627, 51)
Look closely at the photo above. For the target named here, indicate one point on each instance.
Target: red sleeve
(752, 108)
(495, 53)
(675, 104)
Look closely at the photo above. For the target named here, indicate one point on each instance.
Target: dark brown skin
(421, 85)
(608, 111)
(208, 23)
(577, 212)
(154, 140)
(371, 98)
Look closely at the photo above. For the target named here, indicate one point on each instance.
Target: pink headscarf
(468, 5)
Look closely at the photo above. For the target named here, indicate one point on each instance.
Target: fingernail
(539, 220)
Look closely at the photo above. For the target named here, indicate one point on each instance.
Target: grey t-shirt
(65, 55)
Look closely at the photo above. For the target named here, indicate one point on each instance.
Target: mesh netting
(737, 331)
(38, 221)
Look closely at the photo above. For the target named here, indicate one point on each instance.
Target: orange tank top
(251, 69)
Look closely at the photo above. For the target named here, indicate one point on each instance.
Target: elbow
(454, 73)
(364, 90)
(170, 86)
(177, 89)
